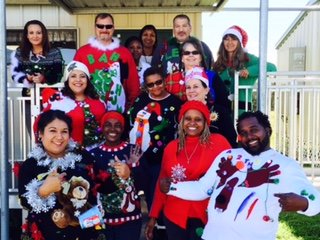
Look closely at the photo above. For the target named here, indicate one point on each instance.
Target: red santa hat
(112, 115)
(239, 33)
(75, 65)
(195, 105)
(154, 107)
(197, 73)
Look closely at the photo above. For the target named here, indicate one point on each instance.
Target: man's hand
(291, 202)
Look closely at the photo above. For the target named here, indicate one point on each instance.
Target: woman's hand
(122, 169)
(244, 73)
(149, 228)
(52, 184)
(35, 78)
(165, 184)
(135, 155)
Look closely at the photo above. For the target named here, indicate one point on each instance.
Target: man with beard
(249, 186)
(112, 67)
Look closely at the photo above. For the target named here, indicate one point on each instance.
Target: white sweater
(242, 189)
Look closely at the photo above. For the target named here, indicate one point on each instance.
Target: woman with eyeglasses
(153, 123)
(192, 56)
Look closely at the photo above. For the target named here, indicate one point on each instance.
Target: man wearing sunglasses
(168, 55)
(112, 68)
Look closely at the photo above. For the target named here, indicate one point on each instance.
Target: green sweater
(252, 66)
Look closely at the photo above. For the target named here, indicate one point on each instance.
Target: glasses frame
(104, 26)
(155, 83)
(187, 53)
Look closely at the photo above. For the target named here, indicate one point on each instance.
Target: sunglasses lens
(101, 26)
(157, 83)
(191, 52)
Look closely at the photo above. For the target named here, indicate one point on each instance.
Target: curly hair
(262, 119)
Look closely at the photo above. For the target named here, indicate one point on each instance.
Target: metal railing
(293, 103)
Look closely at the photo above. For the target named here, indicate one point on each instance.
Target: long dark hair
(26, 46)
(49, 116)
(240, 58)
(149, 27)
(90, 91)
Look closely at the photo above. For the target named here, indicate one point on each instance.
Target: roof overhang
(138, 6)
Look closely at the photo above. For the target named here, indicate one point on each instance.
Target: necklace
(191, 155)
(148, 59)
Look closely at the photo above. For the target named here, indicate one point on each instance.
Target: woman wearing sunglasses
(192, 55)
(153, 123)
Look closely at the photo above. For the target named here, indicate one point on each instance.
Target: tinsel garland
(37, 203)
(68, 161)
(92, 131)
(112, 202)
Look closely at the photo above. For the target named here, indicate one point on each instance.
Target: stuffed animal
(74, 199)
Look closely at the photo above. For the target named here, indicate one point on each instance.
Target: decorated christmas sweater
(175, 84)
(153, 124)
(85, 115)
(32, 173)
(118, 197)
(241, 189)
(167, 56)
(141, 68)
(113, 71)
(186, 167)
(51, 66)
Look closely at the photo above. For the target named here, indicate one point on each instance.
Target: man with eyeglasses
(112, 68)
(168, 55)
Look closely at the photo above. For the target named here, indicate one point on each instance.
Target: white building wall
(51, 16)
(305, 34)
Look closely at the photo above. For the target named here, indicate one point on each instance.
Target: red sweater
(176, 209)
(74, 109)
(113, 72)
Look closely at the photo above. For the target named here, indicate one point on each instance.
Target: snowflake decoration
(214, 116)
(178, 173)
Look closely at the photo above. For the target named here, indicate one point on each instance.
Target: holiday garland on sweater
(112, 202)
(92, 131)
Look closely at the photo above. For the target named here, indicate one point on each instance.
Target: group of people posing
(157, 118)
